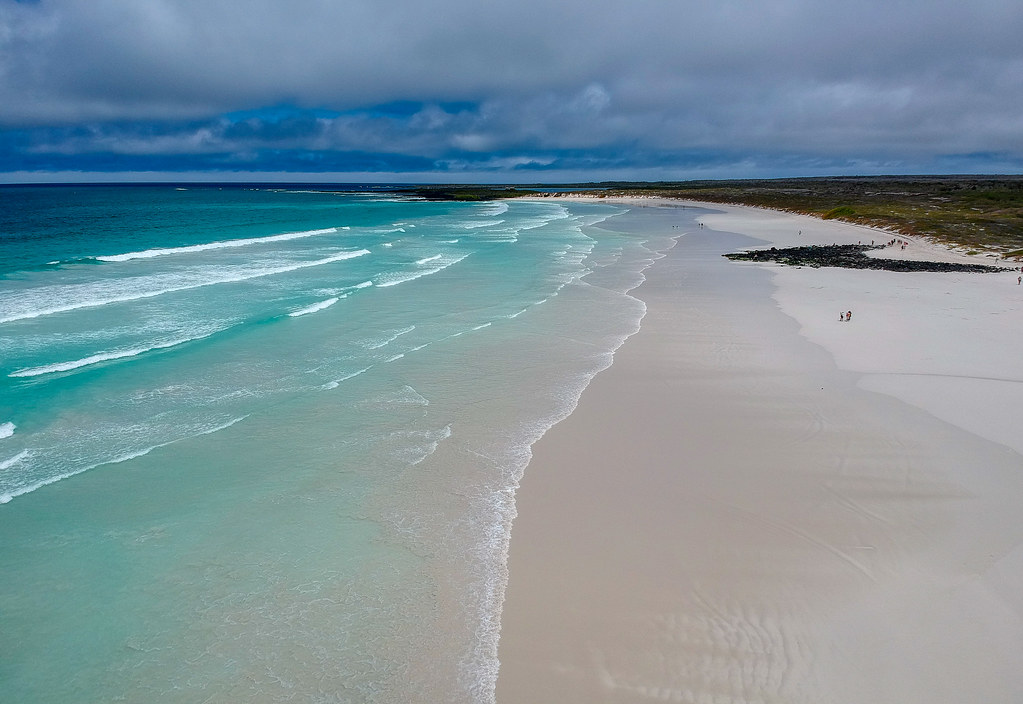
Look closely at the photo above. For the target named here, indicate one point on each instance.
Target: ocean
(262, 444)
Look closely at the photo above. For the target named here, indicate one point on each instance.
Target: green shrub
(842, 211)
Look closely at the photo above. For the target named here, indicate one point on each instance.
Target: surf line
(223, 244)
(14, 493)
(97, 302)
(103, 357)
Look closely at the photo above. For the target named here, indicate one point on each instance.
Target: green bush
(842, 211)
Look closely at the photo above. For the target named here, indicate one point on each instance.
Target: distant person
(848, 316)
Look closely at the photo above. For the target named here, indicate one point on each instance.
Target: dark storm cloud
(458, 85)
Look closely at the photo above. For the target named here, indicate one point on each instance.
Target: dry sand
(757, 503)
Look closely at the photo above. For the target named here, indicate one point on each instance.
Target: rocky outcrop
(851, 256)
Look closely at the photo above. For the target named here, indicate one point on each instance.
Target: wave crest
(103, 357)
(224, 244)
(100, 295)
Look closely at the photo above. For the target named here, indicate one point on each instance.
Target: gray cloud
(882, 82)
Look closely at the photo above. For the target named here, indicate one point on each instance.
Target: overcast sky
(507, 90)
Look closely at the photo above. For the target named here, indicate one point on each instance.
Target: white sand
(951, 344)
(734, 514)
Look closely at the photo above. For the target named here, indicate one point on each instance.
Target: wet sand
(757, 503)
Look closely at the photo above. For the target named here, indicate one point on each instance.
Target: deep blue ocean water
(261, 444)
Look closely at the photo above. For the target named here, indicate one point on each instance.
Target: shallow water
(262, 445)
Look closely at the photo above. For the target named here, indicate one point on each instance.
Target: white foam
(433, 441)
(218, 428)
(388, 280)
(511, 234)
(6, 430)
(394, 336)
(484, 325)
(29, 305)
(225, 244)
(103, 357)
(10, 462)
(494, 208)
(395, 278)
(337, 382)
(315, 307)
(477, 224)
(408, 395)
(427, 260)
(6, 497)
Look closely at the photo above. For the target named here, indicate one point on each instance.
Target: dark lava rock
(850, 256)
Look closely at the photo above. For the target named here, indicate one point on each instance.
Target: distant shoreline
(981, 213)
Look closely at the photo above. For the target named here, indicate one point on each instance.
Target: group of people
(846, 316)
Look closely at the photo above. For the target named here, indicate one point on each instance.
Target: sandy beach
(759, 503)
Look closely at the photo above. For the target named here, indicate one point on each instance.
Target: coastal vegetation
(466, 193)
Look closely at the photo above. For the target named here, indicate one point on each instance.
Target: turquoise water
(262, 445)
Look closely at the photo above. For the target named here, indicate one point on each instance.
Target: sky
(512, 91)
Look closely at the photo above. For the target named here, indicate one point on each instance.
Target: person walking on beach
(848, 316)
